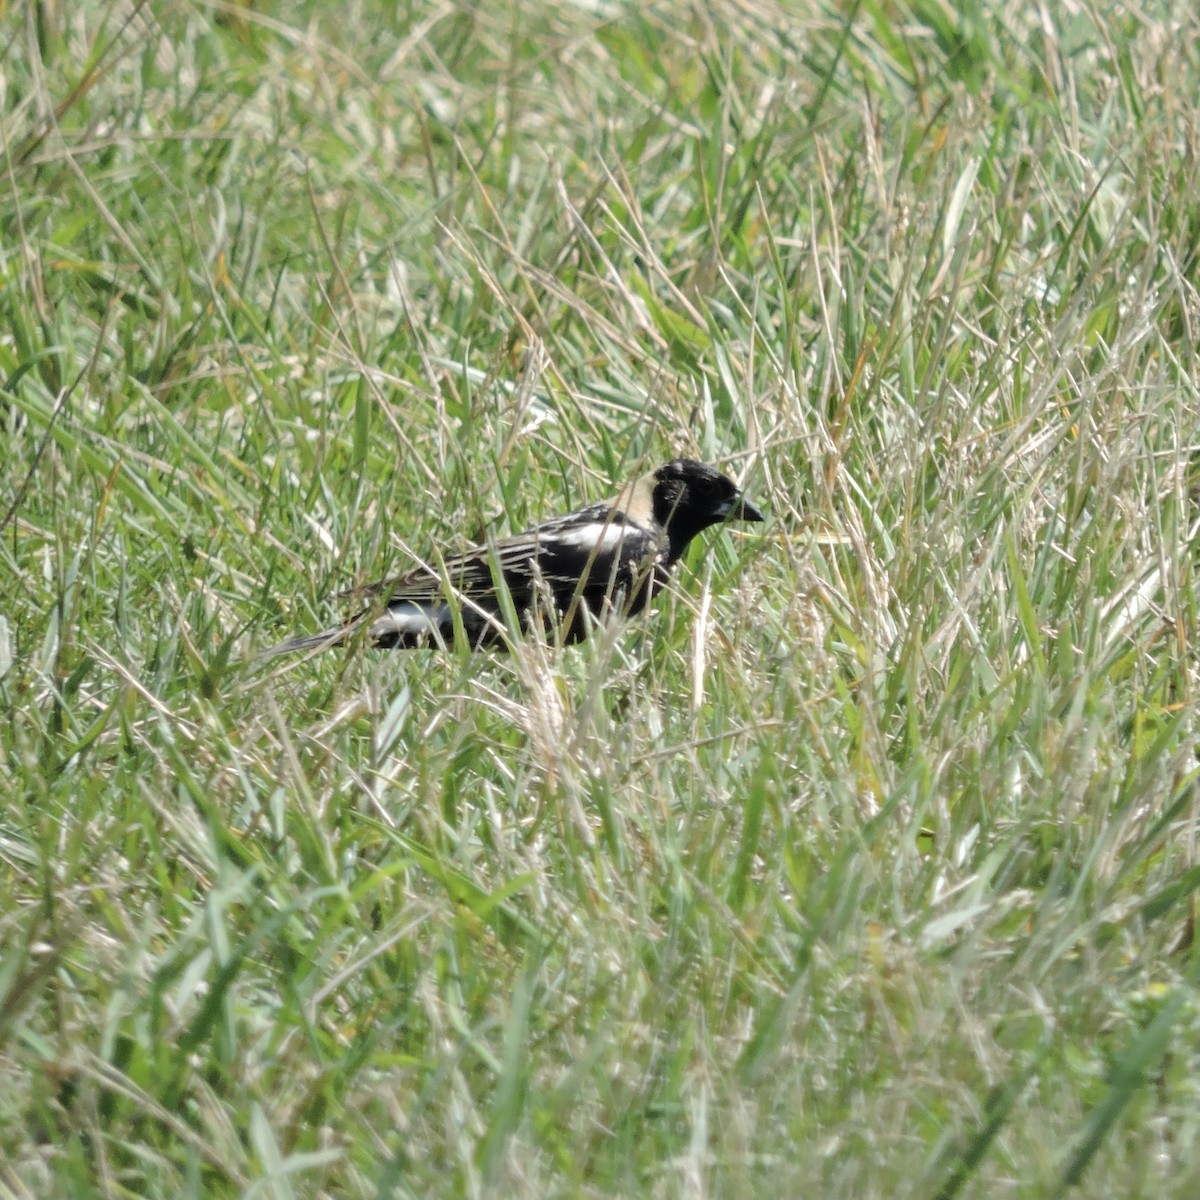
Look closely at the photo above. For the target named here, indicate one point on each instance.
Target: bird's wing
(558, 553)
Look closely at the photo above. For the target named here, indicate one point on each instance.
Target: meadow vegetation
(866, 865)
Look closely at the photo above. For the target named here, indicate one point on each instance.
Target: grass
(866, 866)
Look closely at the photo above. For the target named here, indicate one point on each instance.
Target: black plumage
(573, 570)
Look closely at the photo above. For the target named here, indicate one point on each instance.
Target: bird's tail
(313, 641)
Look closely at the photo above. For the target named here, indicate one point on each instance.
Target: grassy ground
(866, 866)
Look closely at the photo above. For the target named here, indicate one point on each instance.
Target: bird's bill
(740, 509)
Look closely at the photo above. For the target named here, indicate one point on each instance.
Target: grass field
(866, 865)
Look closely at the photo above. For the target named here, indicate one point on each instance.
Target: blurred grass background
(866, 866)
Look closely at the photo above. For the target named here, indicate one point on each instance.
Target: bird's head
(684, 497)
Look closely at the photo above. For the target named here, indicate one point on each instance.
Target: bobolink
(607, 557)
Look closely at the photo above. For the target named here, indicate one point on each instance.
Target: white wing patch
(410, 619)
(599, 536)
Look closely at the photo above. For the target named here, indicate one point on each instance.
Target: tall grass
(865, 866)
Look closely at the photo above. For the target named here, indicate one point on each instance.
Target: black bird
(574, 570)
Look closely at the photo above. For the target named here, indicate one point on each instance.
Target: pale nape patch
(637, 501)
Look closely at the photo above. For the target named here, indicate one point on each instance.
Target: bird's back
(572, 571)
